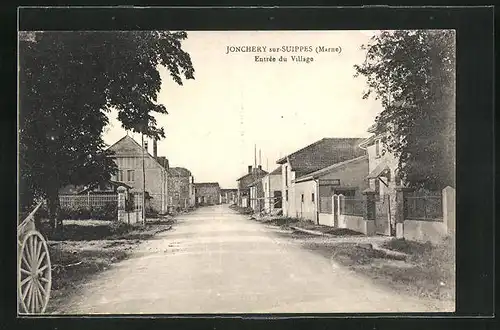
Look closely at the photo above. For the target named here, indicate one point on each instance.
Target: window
(119, 176)
(286, 195)
(312, 197)
(377, 148)
(302, 198)
(130, 175)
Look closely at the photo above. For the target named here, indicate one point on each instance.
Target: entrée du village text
(293, 58)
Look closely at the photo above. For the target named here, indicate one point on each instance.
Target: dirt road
(217, 261)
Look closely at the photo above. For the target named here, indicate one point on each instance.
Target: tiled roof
(330, 168)
(323, 153)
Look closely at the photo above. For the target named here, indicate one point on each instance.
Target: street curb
(313, 232)
(164, 229)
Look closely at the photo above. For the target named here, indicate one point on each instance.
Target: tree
(68, 81)
(413, 74)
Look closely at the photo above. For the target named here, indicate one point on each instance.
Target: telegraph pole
(143, 183)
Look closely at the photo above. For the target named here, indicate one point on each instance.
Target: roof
(276, 171)
(323, 153)
(128, 138)
(369, 141)
(178, 171)
(254, 183)
(378, 170)
(331, 168)
(256, 172)
(229, 190)
(207, 184)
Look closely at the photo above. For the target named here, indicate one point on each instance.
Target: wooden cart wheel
(34, 277)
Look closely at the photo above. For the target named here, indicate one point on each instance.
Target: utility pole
(143, 183)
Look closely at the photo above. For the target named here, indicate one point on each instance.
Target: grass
(428, 270)
(76, 261)
(241, 210)
(87, 247)
(309, 225)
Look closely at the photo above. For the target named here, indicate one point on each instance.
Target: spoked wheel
(34, 277)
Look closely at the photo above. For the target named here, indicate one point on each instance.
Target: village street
(217, 261)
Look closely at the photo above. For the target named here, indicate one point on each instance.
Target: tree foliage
(412, 73)
(68, 81)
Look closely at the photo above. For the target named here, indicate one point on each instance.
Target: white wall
(288, 206)
(307, 209)
(271, 183)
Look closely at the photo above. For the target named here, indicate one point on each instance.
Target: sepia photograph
(236, 172)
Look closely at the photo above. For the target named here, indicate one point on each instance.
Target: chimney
(249, 169)
(260, 167)
(155, 149)
(167, 166)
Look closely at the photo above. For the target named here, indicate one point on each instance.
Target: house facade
(207, 193)
(180, 187)
(128, 155)
(383, 180)
(314, 192)
(298, 200)
(244, 182)
(272, 187)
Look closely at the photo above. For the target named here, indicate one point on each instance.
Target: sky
(236, 103)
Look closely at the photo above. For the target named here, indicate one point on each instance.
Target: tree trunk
(54, 214)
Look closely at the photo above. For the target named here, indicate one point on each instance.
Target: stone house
(312, 158)
(257, 195)
(180, 187)
(244, 183)
(128, 155)
(207, 193)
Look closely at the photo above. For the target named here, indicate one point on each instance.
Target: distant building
(272, 190)
(180, 187)
(229, 196)
(244, 183)
(207, 193)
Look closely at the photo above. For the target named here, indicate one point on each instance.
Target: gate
(382, 216)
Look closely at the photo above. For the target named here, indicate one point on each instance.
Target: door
(277, 199)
